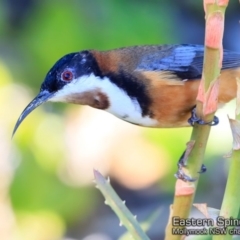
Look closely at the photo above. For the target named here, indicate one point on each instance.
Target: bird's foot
(203, 169)
(183, 176)
(195, 119)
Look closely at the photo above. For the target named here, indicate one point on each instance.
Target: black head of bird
(63, 82)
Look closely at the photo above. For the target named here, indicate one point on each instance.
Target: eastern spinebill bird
(151, 86)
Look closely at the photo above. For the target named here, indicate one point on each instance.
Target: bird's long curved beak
(38, 100)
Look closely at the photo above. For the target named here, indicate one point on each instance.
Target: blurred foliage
(31, 41)
(81, 25)
(33, 35)
(174, 140)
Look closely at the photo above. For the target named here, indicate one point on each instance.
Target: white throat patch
(120, 104)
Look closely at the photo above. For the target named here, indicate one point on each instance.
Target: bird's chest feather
(125, 106)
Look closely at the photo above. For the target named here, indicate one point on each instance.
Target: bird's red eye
(67, 75)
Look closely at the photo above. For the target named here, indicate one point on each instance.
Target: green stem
(183, 203)
(119, 207)
(206, 107)
(231, 201)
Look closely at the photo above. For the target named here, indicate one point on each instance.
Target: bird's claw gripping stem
(180, 173)
(195, 119)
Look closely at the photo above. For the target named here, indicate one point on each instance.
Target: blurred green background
(44, 194)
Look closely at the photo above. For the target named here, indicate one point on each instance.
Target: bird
(148, 85)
